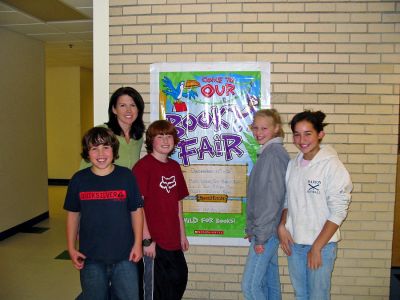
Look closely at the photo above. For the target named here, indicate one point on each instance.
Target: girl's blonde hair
(273, 113)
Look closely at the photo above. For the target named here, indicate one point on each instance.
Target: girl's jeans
(261, 273)
(311, 284)
(97, 276)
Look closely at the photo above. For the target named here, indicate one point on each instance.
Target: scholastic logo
(220, 232)
(119, 195)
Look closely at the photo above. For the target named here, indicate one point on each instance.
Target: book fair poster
(212, 107)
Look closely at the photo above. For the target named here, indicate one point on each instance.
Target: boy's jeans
(261, 273)
(311, 284)
(96, 278)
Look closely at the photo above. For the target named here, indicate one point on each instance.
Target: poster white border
(263, 67)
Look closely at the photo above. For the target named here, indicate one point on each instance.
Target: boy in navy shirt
(104, 204)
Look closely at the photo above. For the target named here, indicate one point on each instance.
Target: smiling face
(307, 139)
(101, 157)
(163, 144)
(264, 129)
(126, 111)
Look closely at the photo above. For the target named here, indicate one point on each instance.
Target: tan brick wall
(339, 56)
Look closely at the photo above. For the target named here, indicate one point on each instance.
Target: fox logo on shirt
(167, 183)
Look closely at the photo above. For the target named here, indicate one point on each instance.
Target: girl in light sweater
(318, 190)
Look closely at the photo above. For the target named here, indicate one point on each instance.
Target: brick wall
(337, 56)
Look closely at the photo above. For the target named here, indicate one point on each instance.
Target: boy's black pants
(166, 276)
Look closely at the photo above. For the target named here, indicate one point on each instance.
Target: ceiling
(67, 31)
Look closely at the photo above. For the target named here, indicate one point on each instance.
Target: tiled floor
(29, 270)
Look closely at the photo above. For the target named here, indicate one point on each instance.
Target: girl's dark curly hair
(316, 118)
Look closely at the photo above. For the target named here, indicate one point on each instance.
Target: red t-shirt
(162, 186)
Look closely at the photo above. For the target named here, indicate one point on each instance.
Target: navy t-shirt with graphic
(105, 204)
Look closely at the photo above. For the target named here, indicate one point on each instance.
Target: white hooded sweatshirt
(315, 193)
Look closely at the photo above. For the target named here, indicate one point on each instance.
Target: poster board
(212, 106)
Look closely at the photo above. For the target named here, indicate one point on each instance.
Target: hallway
(30, 269)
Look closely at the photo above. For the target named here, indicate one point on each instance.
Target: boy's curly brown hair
(99, 136)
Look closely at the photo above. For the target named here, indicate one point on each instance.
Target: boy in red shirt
(163, 186)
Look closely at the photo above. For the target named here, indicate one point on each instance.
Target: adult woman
(125, 119)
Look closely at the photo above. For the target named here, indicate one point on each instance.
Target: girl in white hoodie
(318, 190)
